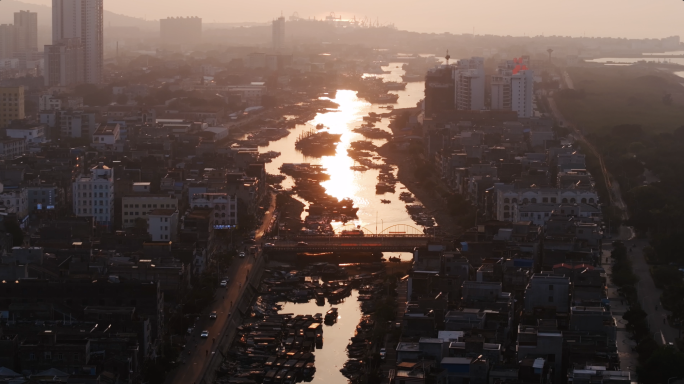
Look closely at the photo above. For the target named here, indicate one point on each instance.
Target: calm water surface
(331, 358)
(360, 186)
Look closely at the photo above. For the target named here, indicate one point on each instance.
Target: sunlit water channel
(360, 186)
(333, 355)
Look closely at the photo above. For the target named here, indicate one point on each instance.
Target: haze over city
(341, 192)
(602, 18)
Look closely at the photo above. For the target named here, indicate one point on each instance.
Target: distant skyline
(593, 18)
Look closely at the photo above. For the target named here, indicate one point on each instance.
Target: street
(199, 352)
(649, 294)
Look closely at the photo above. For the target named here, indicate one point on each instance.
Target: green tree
(664, 363)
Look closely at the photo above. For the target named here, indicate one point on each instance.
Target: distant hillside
(8, 7)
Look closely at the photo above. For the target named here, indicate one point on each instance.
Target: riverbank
(290, 213)
(425, 192)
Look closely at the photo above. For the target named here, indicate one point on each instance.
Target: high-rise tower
(82, 20)
(25, 32)
(278, 34)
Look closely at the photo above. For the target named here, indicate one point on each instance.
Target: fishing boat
(385, 201)
(383, 187)
(395, 86)
(410, 78)
(331, 316)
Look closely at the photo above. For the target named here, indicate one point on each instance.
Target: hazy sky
(614, 18)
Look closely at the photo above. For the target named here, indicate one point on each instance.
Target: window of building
(47, 355)
(550, 299)
(550, 287)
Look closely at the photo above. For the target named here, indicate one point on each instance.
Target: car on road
(383, 353)
(302, 244)
(241, 254)
(190, 330)
(212, 315)
(204, 334)
(224, 283)
(269, 245)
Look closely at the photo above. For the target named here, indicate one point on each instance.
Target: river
(333, 355)
(373, 215)
(625, 61)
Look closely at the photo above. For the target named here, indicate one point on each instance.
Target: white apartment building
(93, 195)
(513, 88)
(139, 206)
(162, 224)
(11, 148)
(31, 135)
(48, 102)
(77, 124)
(509, 198)
(224, 205)
(107, 134)
(251, 94)
(83, 20)
(469, 81)
(522, 93)
(15, 201)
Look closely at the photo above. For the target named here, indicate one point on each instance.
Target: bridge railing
(336, 236)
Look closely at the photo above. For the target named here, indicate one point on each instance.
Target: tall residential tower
(469, 79)
(25, 32)
(513, 87)
(77, 23)
(278, 34)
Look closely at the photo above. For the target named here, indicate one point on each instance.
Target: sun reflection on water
(343, 181)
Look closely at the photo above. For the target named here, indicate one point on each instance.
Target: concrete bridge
(371, 243)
